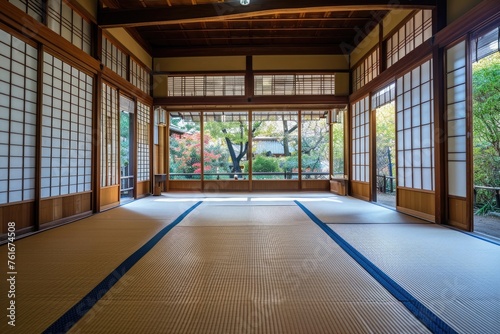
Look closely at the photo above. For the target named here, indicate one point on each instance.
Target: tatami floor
(254, 263)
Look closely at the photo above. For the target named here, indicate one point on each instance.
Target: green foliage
(486, 127)
(262, 163)
(315, 146)
(386, 140)
(484, 209)
(291, 163)
(124, 139)
(338, 149)
(236, 132)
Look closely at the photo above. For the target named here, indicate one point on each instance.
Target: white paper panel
(45, 192)
(416, 139)
(457, 182)
(4, 148)
(456, 77)
(457, 156)
(408, 178)
(408, 159)
(417, 178)
(457, 144)
(456, 110)
(457, 127)
(456, 94)
(455, 57)
(426, 140)
(15, 196)
(407, 100)
(407, 139)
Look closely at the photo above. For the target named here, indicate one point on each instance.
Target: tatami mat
(243, 215)
(348, 210)
(255, 264)
(258, 277)
(57, 267)
(453, 274)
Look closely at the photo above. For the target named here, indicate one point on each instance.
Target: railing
(494, 189)
(244, 176)
(126, 183)
(386, 184)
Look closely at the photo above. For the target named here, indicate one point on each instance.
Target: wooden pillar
(440, 191)
(38, 154)
(249, 80)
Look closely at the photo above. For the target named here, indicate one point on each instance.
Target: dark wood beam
(160, 52)
(305, 19)
(255, 100)
(109, 17)
(331, 39)
(160, 33)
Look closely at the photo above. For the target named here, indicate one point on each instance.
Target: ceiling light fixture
(244, 2)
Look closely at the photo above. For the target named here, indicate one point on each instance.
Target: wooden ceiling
(225, 27)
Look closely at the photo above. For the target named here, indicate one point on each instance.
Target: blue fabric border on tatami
(421, 312)
(75, 313)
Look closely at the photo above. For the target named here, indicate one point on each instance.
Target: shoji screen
(109, 136)
(66, 164)
(417, 30)
(456, 119)
(139, 76)
(18, 98)
(415, 128)
(32, 7)
(366, 71)
(361, 140)
(143, 142)
(69, 24)
(114, 58)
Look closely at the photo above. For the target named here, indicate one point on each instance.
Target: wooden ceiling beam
(110, 17)
(306, 19)
(333, 39)
(160, 33)
(160, 52)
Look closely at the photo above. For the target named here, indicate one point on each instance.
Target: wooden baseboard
(421, 215)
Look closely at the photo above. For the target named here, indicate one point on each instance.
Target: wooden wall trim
(58, 46)
(143, 188)
(125, 86)
(124, 49)
(424, 191)
(440, 178)
(419, 55)
(481, 15)
(416, 214)
(248, 102)
(62, 208)
(458, 214)
(226, 185)
(184, 185)
(416, 202)
(360, 190)
(22, 213)
(315, 185)
(96, 159)
(109, 206)
(65, 220)
(109, 196)
(275, 185)
(76, 6)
